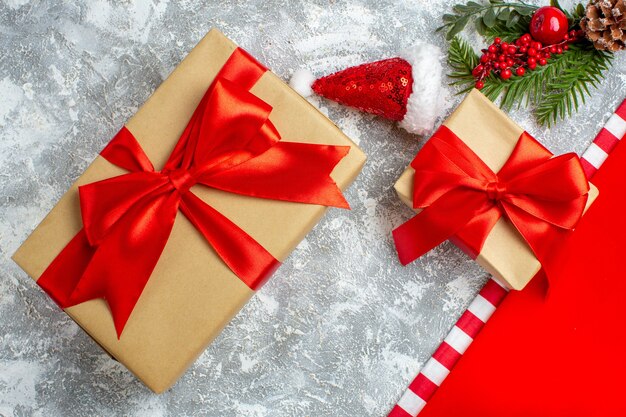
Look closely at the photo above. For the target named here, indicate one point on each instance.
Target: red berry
(559, 50)
(479, 85)
(501, 58)
(496, 65)
(536, 45)
(506, 74)
(565, 47)
(525, 38)
(532, 61)
(476, 71)
(497, 40)
(511, 50)
(531, 52)
(572, 34)
(543, 61)
(553, 49)
(520, 71)
(549, 25)
(510, 62)
(492, 49)
(523, 49)
(532, 66)
(566, 37)
(484, 58)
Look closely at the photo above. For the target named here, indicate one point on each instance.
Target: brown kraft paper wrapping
(489, 132)
(191, 294)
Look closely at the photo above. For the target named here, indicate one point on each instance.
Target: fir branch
(504, 30)
(486, 15)
(556, 90)
(584, 68)
(527, 89)
(462, 59)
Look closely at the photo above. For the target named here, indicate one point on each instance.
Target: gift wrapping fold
(191, 293)
(497, 141)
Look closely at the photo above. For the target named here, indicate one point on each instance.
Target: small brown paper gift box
(191, 294)
(492, 136)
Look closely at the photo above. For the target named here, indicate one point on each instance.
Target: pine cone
(604, 24)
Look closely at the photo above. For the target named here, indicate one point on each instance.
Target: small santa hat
(407, 89)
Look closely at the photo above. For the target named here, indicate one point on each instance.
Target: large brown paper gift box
(492, 136)
(191, 294)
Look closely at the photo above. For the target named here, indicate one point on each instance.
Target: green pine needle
(583, 68)
(462, 59)
(556, 90)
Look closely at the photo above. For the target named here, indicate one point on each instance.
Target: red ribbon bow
(229, 144)
(461, 196)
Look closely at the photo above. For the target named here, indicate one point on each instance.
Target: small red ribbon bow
(461, 195)
(229, 144)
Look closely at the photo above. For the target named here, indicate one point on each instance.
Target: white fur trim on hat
(428, 98)
(301, 81)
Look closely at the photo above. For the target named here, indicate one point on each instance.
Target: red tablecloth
(562, 351)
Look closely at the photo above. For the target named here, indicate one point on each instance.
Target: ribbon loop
(540, 195)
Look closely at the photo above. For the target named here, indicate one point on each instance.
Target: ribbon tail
(471, 237)
(437, 223)
(543, 238)
(125, 259)
(63, 274)
(288, 171)
(118, 268)
(250, 261)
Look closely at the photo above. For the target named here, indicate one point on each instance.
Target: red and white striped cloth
(613, 131)
(437, 368)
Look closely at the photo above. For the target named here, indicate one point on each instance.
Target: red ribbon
(462, 197)
(229, 144)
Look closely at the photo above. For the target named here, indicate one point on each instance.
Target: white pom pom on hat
(407, 89)
(428, 99)
(302, 80)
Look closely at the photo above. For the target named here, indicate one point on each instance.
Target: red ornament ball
(549, 25)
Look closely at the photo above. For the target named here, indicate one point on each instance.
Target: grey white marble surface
(341, 328)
